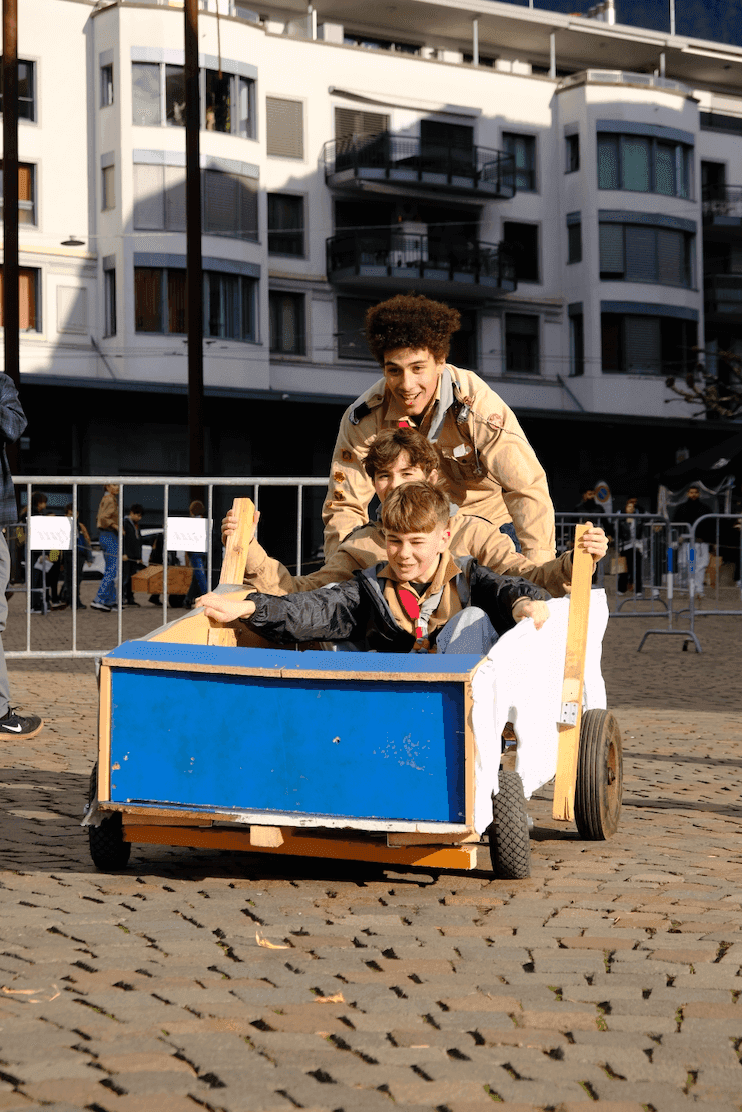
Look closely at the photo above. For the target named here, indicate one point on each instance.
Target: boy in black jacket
(421, 599)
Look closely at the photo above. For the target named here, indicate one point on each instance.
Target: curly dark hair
(411, 321)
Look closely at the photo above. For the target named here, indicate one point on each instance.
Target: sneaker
(35, 610)
(101, 606)
(81, 606)
(17, 726)
(130, 602)
(58, 605)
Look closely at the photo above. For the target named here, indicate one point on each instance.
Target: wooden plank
(464, 857)
(283, 673)
(150, 579)
(192, 629)
(233, 566)
(404, 838)
(104, 734)
(574, 670)
(267, 837)
(171, 819)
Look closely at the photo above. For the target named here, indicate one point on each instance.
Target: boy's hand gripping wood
(233, 567)
(574, 671)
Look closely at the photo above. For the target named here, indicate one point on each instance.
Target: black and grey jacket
(357, 609)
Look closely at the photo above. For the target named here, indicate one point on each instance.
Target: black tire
(108, 849)
(510, 843)
(599, 788)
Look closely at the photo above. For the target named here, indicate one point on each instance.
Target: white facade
(91, 162)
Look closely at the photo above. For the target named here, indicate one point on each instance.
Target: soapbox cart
(371, 757)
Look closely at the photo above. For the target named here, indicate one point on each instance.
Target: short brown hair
(411, 321)
(197, 509)
(415, 508)
(390, 444)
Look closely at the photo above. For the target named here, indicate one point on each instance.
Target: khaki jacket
(108, 513)
(470, 536)
(488, 466)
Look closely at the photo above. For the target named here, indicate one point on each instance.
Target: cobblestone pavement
(612, 975)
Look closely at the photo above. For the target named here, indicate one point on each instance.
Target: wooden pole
(574, 671)
(233, 566)
(194, 270)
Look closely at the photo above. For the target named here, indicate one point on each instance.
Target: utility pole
(11, 305)
(194, 270)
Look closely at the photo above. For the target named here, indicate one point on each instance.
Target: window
(521, 343)
(26, 90)
(28, 294)
(576, 345)
(644, 164)
(108, 194)
(522, 242)
(158, 96)
(230, 205)
(159, 198)
(713, 181)
(639, 253)
(351, 329)
(106, 85)
(159, 299)
(26, 192)
(109, 302)
(285, 225)
(574, 242)
(523, 149)
(367, 43)
(634, 344)
(354, 121)
(573, 153)
(229, 306)
(446, 146)
(286, 323)
(284, 127)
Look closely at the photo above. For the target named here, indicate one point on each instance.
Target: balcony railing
(412, 162)
(722, 204)
(386, 259)
(723, 296)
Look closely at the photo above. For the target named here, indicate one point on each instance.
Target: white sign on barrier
(187, 533)
(47, 533)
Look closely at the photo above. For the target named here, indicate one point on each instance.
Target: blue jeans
(198, 585)
(109, 544)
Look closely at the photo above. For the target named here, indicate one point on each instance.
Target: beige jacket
(488, 466)
(470, 536)
(108, 512)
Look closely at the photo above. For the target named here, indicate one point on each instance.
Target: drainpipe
(552, 54)
(475, 42)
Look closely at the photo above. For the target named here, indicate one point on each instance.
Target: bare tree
(719, 394)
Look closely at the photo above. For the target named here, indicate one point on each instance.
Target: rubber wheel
(599, 786)
(510, 843)
(108, 849)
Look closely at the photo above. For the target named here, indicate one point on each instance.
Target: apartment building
(567, 183)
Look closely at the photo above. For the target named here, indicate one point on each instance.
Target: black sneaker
(101, 606)
(16, 725)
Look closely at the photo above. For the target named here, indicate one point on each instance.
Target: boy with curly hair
(487, 465)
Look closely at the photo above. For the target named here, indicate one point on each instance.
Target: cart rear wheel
(599, 776)
(108, 849)
(510, 843)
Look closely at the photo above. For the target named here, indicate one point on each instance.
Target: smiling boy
(488, 467)
(421, 598)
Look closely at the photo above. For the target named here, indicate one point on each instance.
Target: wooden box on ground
(149, 579)
(372, 743)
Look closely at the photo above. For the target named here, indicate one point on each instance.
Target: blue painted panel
(366, 749)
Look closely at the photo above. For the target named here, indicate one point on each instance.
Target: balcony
(722, 210)
(385, 260)
(723, 298)
(408, 163)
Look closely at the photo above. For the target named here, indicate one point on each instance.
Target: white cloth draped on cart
(520, 681)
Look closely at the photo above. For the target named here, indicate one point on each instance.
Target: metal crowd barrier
(249, 485)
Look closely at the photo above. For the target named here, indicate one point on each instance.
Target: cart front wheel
(599, 786)
(108, 849)
(510, 843)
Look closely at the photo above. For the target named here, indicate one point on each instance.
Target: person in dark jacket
(132, 545)
(688, 513)
(12, 423)
(421, 599)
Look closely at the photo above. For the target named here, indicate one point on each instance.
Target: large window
(644, 164)
(637, 253)
(572, 143)
(356, 121)
(521, 343)
(26, 90)
(647, 345)
(108, 188)
(160, 302)
(576, 344)
(106, 85)
(523, 149)
(230, 201)
(285, 224)
(28, 294)
(26, 192)
(574, 242)
(284, 126)
(522, 243)
(286, 323)
(351, 329)
(158, 96)
(109, 302)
